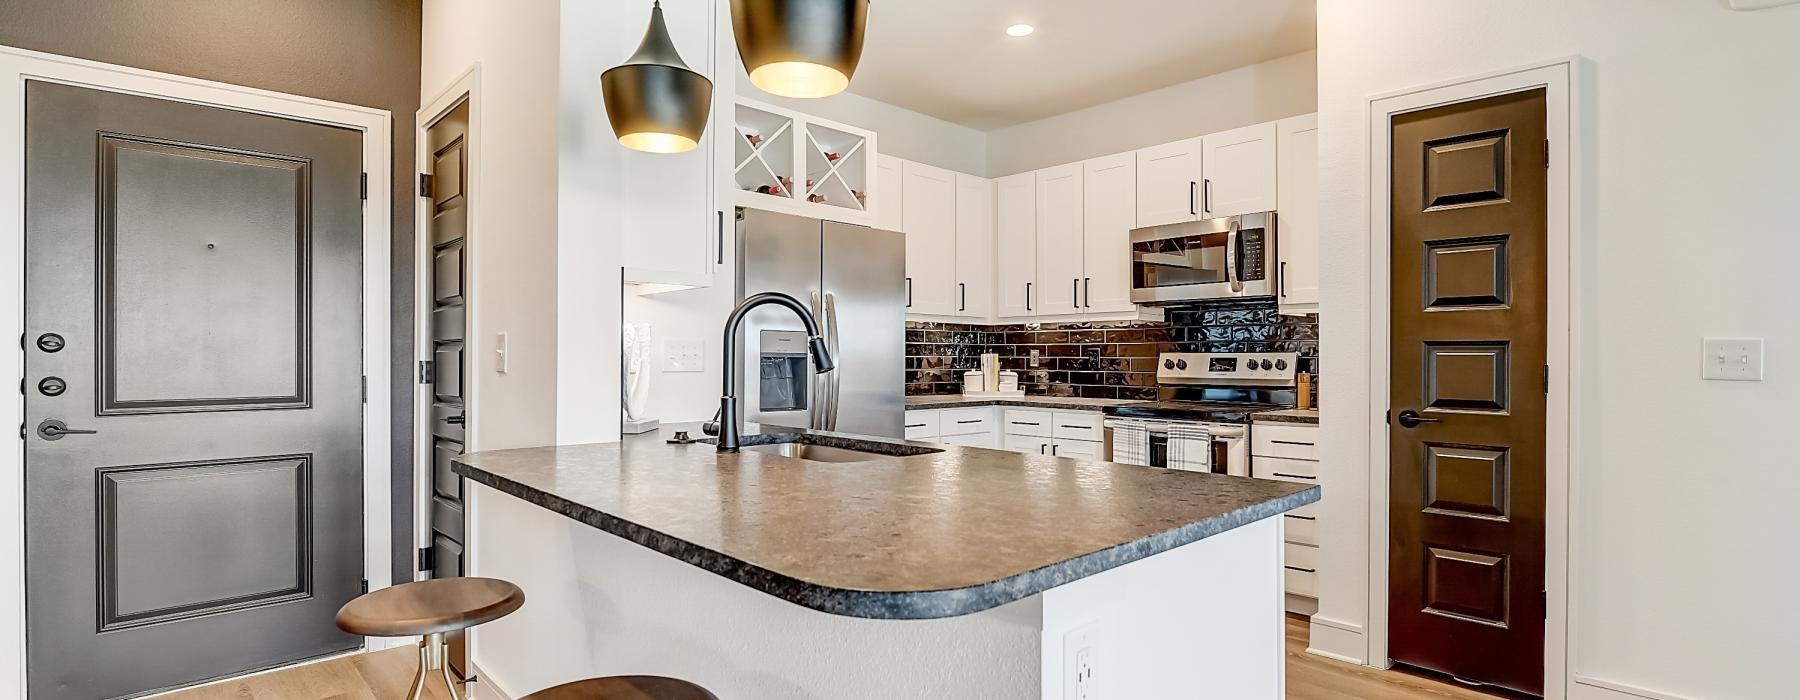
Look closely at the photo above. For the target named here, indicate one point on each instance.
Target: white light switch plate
(1733, 359)
(683, 356)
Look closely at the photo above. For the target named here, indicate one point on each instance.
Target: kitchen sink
(823, 448)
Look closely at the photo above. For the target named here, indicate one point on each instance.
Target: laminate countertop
(1069, 403)
(946, 531)
(1305, 416)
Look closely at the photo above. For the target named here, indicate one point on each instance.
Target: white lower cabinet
(1073, 434)
(987, 440)
(962, 427)
(1028, 444)
(1077, 449)
(1289, 452)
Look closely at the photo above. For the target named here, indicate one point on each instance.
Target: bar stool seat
(429, 609)
(624, 688)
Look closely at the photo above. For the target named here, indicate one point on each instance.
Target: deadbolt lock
(52, 386)
(51, 342)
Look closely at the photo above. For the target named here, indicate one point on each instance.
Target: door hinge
(425, 372)
(365, 388)
(1546, 379)
(424, 184)
(1544, 599)
(1546, 153)
(365, 585)
(427, 559)
(364, 186)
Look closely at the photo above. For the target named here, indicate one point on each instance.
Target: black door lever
(1411, 419)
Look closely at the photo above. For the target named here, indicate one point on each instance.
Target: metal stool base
(432, 651)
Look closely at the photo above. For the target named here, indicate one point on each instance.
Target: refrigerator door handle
(833, 378)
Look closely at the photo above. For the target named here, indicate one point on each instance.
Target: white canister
(972, 381)
(1009, 380)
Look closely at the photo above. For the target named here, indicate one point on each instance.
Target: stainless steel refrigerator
(853, 278)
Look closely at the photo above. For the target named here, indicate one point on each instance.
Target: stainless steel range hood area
(1227, 257)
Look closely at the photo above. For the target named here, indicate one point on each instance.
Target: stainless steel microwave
(1231, 256)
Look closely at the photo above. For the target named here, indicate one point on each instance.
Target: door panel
(1168, 183)
(1298, 150)
(448, 220)
(778, 253)
(1015, 285)
(930, 215)
(1240, 172)
(974, 246)
(204, 267)
(1468, 352)
(1059, 224)
(1108, 216)
(867, 328)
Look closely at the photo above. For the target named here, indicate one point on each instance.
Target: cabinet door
(988, 440)
(1240, 171)
(1297, 223)
(1015, 283)
(1028, 444)
(669, 197)
(890, 191)
(1059, 240)
(974, 246)
(1076, 449)
(1168, 182)
(929, 208)
(1109, 187)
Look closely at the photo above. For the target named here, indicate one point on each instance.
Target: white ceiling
(953, 60)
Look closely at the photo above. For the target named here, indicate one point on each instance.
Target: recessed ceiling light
(1020, 30)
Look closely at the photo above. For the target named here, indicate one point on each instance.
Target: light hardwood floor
(386, 675)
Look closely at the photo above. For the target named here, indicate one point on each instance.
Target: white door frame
(465, 86)
(16, 67)
(1565, 88)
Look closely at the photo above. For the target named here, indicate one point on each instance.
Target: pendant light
(654, 101)
(800, 48)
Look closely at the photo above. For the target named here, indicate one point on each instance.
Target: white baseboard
(1302, 605)
(1591, 688)
(485, 687)
(1336, 639)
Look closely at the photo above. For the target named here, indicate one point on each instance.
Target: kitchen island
(900, 571)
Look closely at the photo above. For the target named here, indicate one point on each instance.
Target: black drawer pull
(1301, 517)
(1291, 442)
(966, 422)
(1293, 476)
(915, 425)
(1018, 422)
(1296, 568)
(1077, 427)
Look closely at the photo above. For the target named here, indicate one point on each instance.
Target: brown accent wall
(361, 52)
(1109, 360)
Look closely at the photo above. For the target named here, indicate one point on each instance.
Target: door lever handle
(53, 429)
(1411, 419)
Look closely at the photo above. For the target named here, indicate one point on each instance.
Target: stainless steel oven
(1232, 256)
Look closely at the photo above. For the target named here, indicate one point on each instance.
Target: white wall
(1266, 91)
(513, 250)
(1683, 491)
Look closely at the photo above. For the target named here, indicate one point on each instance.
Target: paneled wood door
(193, 283)
(447, 224)
(1467, 418)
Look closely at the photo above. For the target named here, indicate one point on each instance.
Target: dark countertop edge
(1279, 418)
(893, 605)
(1049, 402)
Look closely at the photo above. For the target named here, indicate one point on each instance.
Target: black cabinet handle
(1193, 198)
(909, 292)
(966, 422)
(1293, 476)
(1291, 442)
(1027, 296)
(1296, 568)
(1024, 423)
(1087, 292)
(962, 297)
(1284, 278)
(1075, 291)
(915, 425)
(1206, 195)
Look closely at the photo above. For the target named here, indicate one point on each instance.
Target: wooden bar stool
(429, 609)
(624, 688)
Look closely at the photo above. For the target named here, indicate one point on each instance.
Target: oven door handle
(1231, 258)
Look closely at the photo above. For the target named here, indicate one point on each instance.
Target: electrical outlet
(1036, 359)
(1081, 661)
(1733, 359)
(683, 356)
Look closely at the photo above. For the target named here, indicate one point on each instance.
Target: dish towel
(1190, 448)
(1131, 444)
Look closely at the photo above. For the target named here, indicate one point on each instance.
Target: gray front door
(192, 296)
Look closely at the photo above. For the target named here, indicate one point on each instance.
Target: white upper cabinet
(889, 193)
(974, 246)
(1240, 172)
(673, 214)
(1060, 240)
(1109, 215)
(1015, 283)
(929, 212)
(1297, 221)
(1168, 182)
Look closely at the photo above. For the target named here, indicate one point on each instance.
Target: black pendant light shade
(654, 101)
(800, 48)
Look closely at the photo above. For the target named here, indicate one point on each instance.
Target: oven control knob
(1268, 365)
(1181, 364)
(1281, 364)
(1168, 364)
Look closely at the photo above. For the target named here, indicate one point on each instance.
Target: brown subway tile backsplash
(1112, 359)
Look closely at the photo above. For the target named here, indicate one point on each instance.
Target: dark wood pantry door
(1466, 579)
(193, 450)
(446, 192)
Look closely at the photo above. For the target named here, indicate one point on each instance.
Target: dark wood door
(192, 296)
(447, 197)
(1468, 358)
